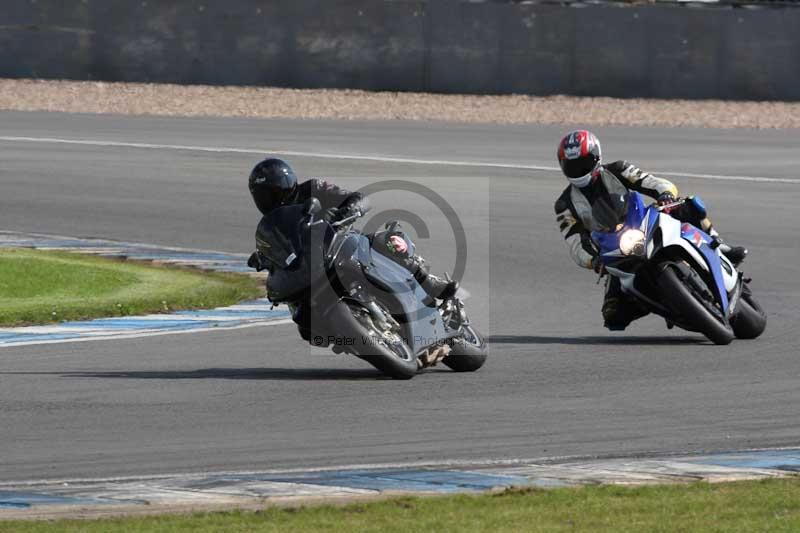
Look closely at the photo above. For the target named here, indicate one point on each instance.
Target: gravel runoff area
(267, 102)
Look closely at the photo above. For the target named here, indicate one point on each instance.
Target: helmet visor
(575, 168)
(269, 197)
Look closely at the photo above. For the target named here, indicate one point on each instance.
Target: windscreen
(609, 211)
(277, 234)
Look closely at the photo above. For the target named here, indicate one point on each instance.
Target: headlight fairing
(631, 242)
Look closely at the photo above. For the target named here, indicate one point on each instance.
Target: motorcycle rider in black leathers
(579, 156)
(273, 184)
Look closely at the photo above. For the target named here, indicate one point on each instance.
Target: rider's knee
(697, 207)
(399, 244)
(693, 211)
(394, 242)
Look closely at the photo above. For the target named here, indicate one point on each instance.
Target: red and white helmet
(579, 157)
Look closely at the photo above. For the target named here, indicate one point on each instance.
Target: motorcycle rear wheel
(469, 353)
(749, 320)
(686, 304)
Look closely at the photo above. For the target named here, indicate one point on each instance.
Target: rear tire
(749, 321)
(395, 360)
(469, 353)
(685, 304)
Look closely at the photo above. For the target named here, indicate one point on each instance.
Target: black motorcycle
(346, 295)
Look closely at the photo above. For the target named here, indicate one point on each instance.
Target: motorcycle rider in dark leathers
(273, 184)
(579, 156)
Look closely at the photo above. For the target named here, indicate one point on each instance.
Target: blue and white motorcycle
(674, 269)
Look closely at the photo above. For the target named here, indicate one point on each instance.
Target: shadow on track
(625, 341)
(277, 374)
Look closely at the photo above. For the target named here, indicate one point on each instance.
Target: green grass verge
(769, 505)
(39, 287)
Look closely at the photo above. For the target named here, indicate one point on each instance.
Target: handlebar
(348, 220)
(676, 203)
(310, 221)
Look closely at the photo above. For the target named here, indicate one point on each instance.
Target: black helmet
(272, 183)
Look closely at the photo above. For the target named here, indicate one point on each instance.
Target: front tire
(749, 321)
(687, 305)
(469, 353)
(394, 359)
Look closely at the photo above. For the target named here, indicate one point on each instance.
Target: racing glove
(665, 198)
(341, 213)
(597, 265)
(331, 215)
(256, 261)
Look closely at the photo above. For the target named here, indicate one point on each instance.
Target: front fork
(454, 313)
(381, 319)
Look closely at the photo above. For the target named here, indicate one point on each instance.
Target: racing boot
(695, 213)
(439, 288)
(736, 254)
(436, 287)
(618, 309)
(614, 316)
(619, 312)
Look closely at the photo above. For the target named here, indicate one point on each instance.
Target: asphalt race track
(556, 383)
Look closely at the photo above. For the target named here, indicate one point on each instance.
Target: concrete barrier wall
(411, 45)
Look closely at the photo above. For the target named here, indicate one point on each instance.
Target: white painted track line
(377, 158)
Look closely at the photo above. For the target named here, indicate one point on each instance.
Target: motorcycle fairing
(636, 216)
(694, 241)
(425, 325)
(701, 240)
(627, 282)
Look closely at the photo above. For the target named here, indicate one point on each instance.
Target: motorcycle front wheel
(692, 307)
(386, 352)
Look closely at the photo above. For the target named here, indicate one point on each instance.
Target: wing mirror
(311, 207)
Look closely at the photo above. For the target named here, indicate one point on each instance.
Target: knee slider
(610, 308)
(405, 248)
